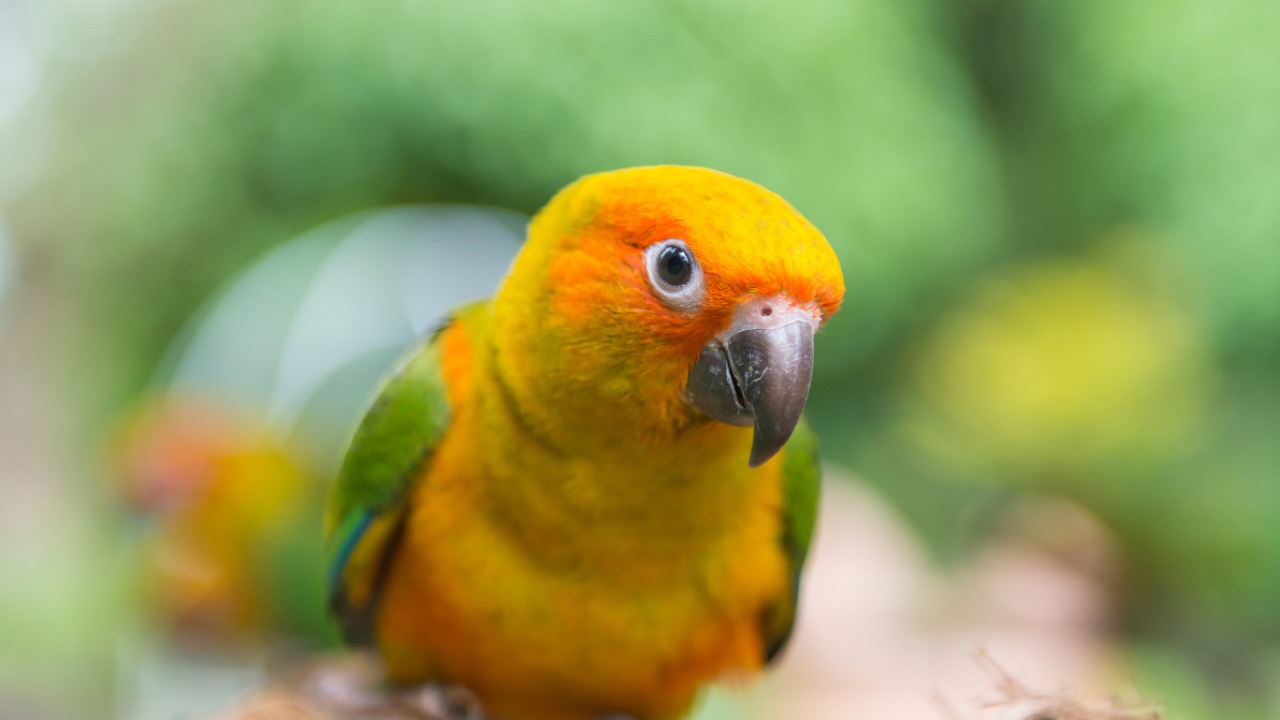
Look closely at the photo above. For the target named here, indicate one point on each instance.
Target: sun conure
(592, 494)
(228, 559)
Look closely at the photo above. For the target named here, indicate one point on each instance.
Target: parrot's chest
(594, 616)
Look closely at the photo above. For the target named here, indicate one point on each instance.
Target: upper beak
(758, 371)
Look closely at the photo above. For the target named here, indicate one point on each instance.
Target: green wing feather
(801, 478)
(367, 504)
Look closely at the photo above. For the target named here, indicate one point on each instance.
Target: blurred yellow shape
(1062, 366)
(217, 489)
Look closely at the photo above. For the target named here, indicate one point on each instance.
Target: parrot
(228, 507)
(592, 495)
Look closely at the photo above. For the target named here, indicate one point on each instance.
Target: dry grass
(1019, 703)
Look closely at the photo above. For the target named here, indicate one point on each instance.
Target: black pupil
(675, 266)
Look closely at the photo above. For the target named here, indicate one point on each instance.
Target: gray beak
(758, 372)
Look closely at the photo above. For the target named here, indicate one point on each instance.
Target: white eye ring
(674, 274)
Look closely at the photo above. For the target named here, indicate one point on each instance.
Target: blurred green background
(1059, 224)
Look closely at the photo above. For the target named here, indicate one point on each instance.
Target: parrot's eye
(675, 266)
(674, 273)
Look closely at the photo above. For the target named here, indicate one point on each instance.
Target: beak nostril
(766, 311)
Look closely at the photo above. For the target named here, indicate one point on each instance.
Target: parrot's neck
(607, 493)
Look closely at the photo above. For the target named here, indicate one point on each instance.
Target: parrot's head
(650, 300)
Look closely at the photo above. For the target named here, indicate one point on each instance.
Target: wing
(801, 486)
(368, 503)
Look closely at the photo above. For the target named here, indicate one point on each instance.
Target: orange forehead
(748, 240)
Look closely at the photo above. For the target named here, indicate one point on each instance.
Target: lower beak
(757, 373)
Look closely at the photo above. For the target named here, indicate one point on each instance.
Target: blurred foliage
(1090, 377)
(6, 263)
(1149, 112)
(1058, 223)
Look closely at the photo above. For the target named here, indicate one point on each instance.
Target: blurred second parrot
(228, 508)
